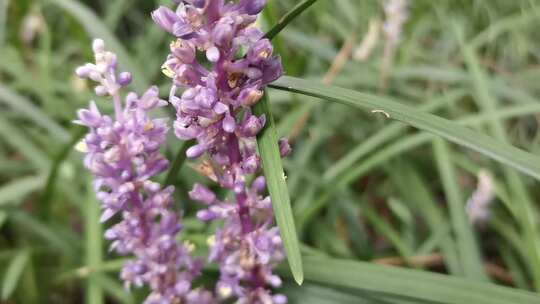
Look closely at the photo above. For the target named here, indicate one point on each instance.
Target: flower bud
(250, 96)
(229, 124)
(252, 125)
(165, 18)
(202, 194)
(212, 54)
(195, 151)
(284, 147)
(124, 79)
(83, 71)
(259, 184)
(98, 46)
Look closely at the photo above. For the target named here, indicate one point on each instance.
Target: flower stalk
(215, 109)
(123, 155)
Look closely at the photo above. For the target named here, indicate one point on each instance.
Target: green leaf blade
(289, 17)
(13, 273)
(15, 190)
(413, 284)
(27, 108)
(468, 249)
(523, 161)
(275, 178)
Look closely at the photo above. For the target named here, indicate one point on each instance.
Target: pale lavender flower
(123, 155)
(215, 109)
(396, 13)
(369, 42)
(478, 205)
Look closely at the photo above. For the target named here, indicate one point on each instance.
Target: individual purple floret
(215, 109)
(123, 155)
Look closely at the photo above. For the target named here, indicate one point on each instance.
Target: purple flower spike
(123, 155)
(215, 110)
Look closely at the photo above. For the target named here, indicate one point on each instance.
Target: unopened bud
(98, 46)
(124, 79)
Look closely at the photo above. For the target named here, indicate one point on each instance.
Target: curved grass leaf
(267, 142)
(179, 160)
(468, 249)
(45, 234)
(524, 206)
(94, 254)
(414, 284)
(3, 21)
(114, 289)
(48, 192)
(17, 189)
(521, 160)
(3, 217)
(18, 139)
(414, 190)
(318, 294)
(26, 107)
(390, 131)
(275, 179)
(287, 18)
(13, 273)
(396, 148)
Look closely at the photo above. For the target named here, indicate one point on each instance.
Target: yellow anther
(176, 44)
(81, 146)
(233, 80)
(190, 246)
(264, 54)
(148, 126)
(211, 241)
(166, 70)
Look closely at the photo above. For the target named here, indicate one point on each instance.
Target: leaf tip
(297, 270)
(299, 277)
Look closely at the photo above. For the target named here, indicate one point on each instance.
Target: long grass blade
(17, 189)
(413, 189)
(24, 106)
(528, 213)
(13, 273)
(469, 253)
(18, 140)
(290, 16)
(383, 135)
(48, 191)
(521, 160)
(277, 186)
(394, 149)
(414, 284)
(94, 292)
(179, 160)
(3, 16)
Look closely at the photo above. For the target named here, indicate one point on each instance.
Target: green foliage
(361, 187)
(277, 186)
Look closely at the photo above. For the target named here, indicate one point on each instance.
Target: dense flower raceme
(123, 154)
(215, 109)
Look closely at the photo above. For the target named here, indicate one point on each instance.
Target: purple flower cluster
(123, 155)
(215, 109)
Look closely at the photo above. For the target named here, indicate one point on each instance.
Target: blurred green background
(400, 196)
